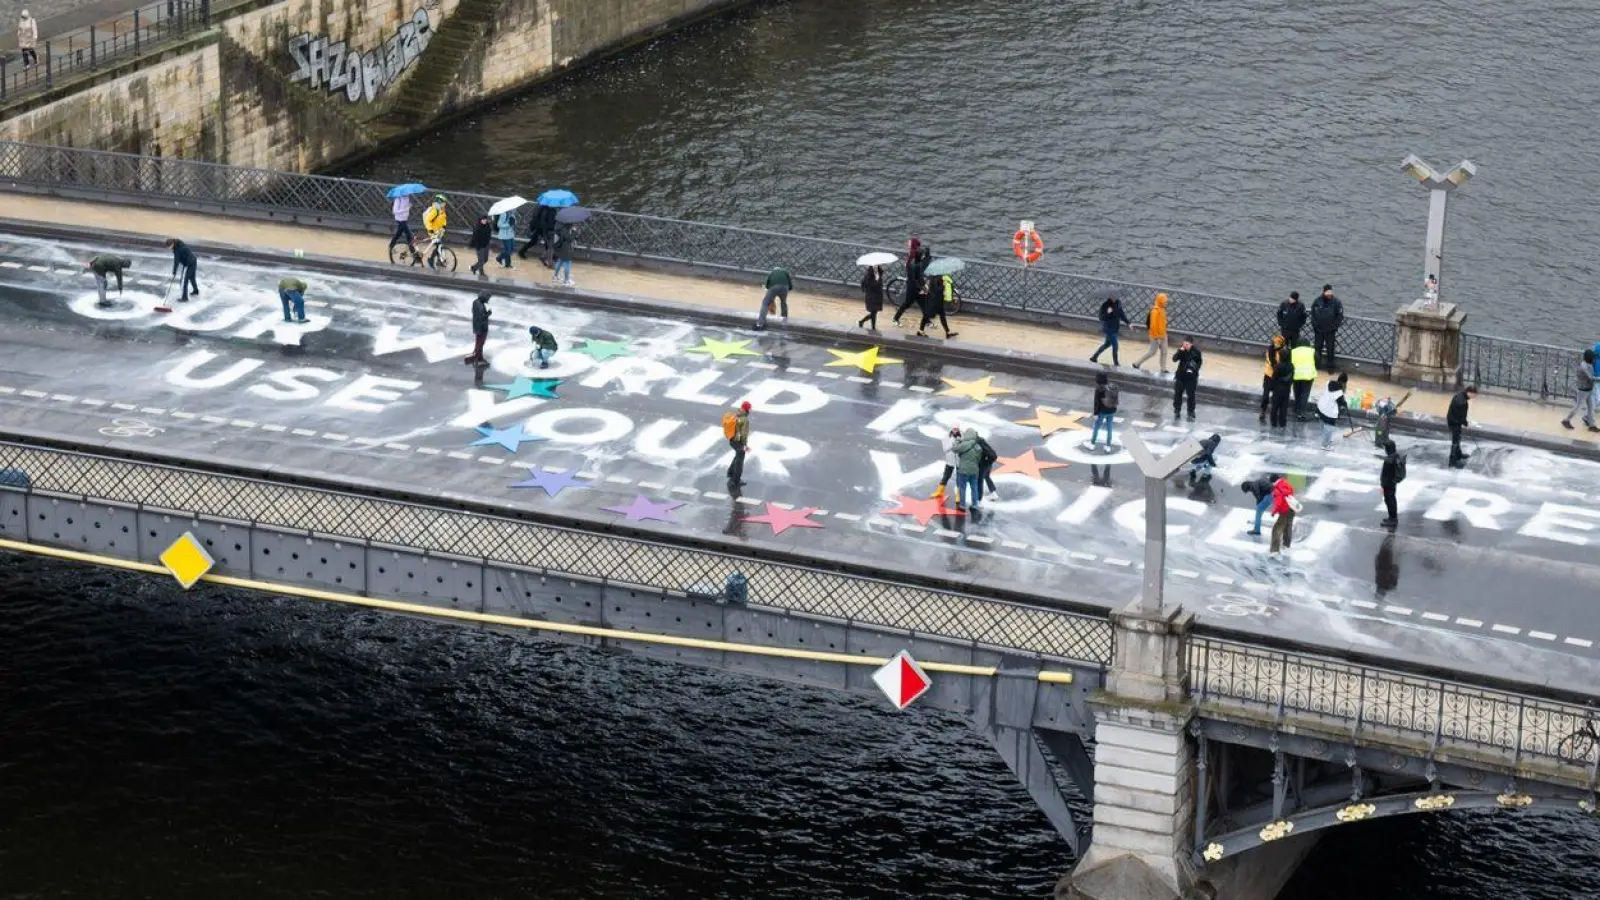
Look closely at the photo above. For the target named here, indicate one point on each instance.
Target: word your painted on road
(361, 76)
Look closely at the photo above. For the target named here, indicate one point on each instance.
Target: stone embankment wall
(301, 84)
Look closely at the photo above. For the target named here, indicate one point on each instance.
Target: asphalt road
(1489, 569)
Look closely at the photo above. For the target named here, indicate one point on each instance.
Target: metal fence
(1363, 700)
(1537, 369)
(125, 37)
(564, 551)
(998, 288)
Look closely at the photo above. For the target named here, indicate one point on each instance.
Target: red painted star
(1026, 464)
(782, 519)
(923, 509)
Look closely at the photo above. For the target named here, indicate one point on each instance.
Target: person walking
(872, 294)
(1291, 318)
(1105, 408)
(1284, 506)
(28, 39)
(937, 292)
(544, 346)
(987, 457)
(540, 225)
(948, 444)
(969, 459)
(1331, 404)
(1456, 419)
(736, 428)
(292, 294)
(1186, 368)
(1327, 314)
(184, 258)
(1261, 490)
(1155, 324)
(1303, 360)
(1282, 382)
(1268, 367)
(1583, 399)
(401, 210)
(1112, 318)
(107, 264)
(480, 328)
(505, 230)
(561, 253)
(1389, 477)
(916, 262)
(479, 243)
(779, 284)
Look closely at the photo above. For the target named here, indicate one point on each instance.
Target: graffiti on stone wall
(360, 76)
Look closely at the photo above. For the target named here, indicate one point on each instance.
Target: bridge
(354, 460)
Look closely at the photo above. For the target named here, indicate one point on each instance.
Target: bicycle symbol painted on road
(130, 428)
(1241, 606)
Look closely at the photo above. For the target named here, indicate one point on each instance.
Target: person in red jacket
(1283, 504)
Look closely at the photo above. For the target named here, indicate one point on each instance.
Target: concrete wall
(300, 84)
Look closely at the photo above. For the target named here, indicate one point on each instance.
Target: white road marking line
(653, 486)
(686, 491)
(180, 414)
(897, 385)
(211, 420)
(848, 517)
(1579, 642)
(1435, 617)
(1113, 561)
(1145, 423)
(64, 398)
(858, 379)
(590, 476)
(784, 505)
(946, 533)
(1219, 579)
(12, 265)
(242, 423)
(366, 441)
(1185, 573)
(1257, 586)
(274, 428)
(1086, 557)
(1175, 429)
(85, 401)
(153, 410)
(1051, 409)
(618, 479)
(65, 271)
(747, 501)
(979, 539)
(1542, 635)
(303, 432)
(764, 365)
(715, 495)
(491, 460)
(346, 307)
(913, 527)
(921, 389)
(12, 390)
(457, 454)
(1397, 610)
(1470, 623)
(1016, 403)
(1363, 604)
(429, 451)
(1332, 601)
(38, 268)
(1040, 548)
(40, 395)
(794, 371)
(819, 512)
(332, 436)
(1506, 629)
(834, 375)
(148, 282)
(1013, 545)
(1572, 493)
(394, 446)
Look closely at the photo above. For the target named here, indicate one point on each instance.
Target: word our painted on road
(361, 76)
(902, 680)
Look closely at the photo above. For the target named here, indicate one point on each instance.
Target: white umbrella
(877, 258)
(507, 205)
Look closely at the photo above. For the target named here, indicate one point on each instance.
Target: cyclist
(435, 221)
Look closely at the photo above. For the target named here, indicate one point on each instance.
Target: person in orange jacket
(1156, 325)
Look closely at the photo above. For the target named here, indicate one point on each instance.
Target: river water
(1242, 147)
(225, 745)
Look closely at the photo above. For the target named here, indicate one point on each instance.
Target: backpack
(1399, 468)
(730, 425)
(986, 454)
(1111, 397)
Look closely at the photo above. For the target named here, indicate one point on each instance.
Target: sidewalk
(1243, 373)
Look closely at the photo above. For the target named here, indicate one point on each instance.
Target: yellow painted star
(978, 390)
(1049, 423)
(867, 360)
(721, 350)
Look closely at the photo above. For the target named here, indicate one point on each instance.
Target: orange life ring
(1028, 246)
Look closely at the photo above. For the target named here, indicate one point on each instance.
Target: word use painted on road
(902, 680)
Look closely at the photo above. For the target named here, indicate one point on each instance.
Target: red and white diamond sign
(902, 680)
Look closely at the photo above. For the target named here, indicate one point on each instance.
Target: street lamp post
(1152, 596)
(1439, 188)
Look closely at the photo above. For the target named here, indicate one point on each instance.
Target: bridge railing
(559, 550)
(1422, 711)
(96, 46)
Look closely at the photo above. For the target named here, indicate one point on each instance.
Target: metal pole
(205, 12)
(1433, 258)
(1153, 595)
(136, 32)
(49, 66)
(3, 78)
(94, 49)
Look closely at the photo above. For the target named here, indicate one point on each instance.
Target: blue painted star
(552, 483)
(523, 386)
(509, 438)
(643, 509)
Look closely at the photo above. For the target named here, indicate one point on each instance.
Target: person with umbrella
(401, 194)
(872, 287)
(939, 291)
(917, 257)
(540, 226)
(503, 218)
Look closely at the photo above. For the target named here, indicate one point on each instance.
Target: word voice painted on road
(902, 680)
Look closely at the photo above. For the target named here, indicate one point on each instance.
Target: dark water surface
(228, 745)
(1245, 147)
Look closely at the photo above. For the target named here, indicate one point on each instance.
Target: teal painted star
(600, 351)
(509, 438)
(721, 350)
(523, 386)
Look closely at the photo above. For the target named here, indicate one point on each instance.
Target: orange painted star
(1049, 423)
(923, 509)
(1026, 464)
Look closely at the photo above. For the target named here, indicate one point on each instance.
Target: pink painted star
(923, 509)
(782, 519)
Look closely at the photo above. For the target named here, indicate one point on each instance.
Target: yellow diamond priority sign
(187, 560)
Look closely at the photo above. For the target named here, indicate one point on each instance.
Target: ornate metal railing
(65, 55)
(1421, 711)
(1527, 368)
(564, 551)
(1002, 289)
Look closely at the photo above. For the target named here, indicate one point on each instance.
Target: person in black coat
(1185, 376)
(1456, 418)
(916, 284)
(540, 224)
(872, 293)
(1291, 318)
(184, 258)
(1388, 479)
(480, 328)
(1327, 314)
(1282, 383)
(480, 243)
(1112, 318)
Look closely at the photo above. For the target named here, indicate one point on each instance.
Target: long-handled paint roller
(162, 307)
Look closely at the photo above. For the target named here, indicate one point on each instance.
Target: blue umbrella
(558, 198)
(406, 190)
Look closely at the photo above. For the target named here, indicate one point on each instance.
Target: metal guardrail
(86, 49)
(567, 552)
(1423, 711)
(1538, 369)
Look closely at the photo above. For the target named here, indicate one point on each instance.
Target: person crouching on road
(544, 346)
(969, 461)
(103, 265)
(292, 294)
(480, 328)
(1206, 461)
(184, 258)
(1261, 490)
(948, 443)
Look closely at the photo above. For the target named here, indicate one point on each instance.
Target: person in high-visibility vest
(1304, 359)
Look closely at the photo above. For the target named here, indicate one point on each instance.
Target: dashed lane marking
(795, 371)
(714, 495)
(303, 432)
(211, 420)
(1505, 629)
(618, 479)
(1541, 635)
(1219, 579)
(8, 264)
(1113, 561)
(686, 491)
(979, 539)
(1013, 545)
(430, 451)
(1435, 617)
(921, 389)
(126, 407)
(491, 460)
(393, 446)
(1363, 604)
(947, 533)
(848, 517)
(152, 410)
(457, 454)
(1580, 642)
(1397, 610)
(64, 398)
(1085, 557)
(180, 414)
(334, 436)
(40, 395)
(1469, 623)
(38, 268)
(275, 428)
(913, 527)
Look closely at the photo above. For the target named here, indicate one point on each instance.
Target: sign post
(902, 680)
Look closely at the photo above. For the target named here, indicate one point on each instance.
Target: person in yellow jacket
(1156, 325)
(1274, 350)
(1304, 359)
(435, 220)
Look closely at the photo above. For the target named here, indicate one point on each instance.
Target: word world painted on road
(362, 76)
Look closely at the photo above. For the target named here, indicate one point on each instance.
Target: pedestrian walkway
(1221, 369)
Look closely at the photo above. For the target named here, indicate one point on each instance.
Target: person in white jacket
(949, 445)
(28, 39)
(1330, 406)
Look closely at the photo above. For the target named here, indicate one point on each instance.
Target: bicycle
(1580, 746)
(443, 257)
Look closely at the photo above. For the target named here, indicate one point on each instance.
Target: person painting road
(736, 428)
(1331, 405)
(1284, 506)
(184, 258)
(779, 284)
(480, 328)
(1456, 418)
(107, 264)
(1186, 368)
(292, 294)
(1155, 324)
(969, 462)
(1205, 462)
(1389, 478)
(948, 443)
(544, 346)
(1327, 314)
(1112, 318)
(1105, 408)
(1261, 490)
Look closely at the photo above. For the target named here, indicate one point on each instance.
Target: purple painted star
(552, 483)
(643, 509)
